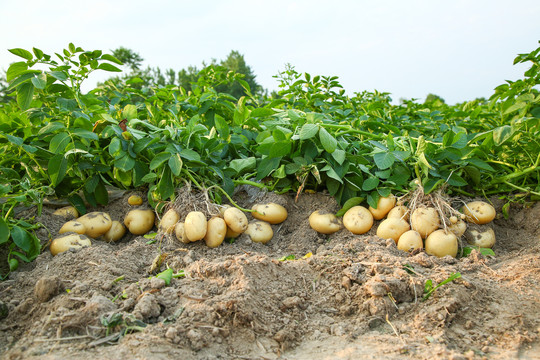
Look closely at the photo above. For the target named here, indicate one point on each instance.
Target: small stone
(46, 288)
(346, 282)
(290, 302)
(171, 333)
(157, 283)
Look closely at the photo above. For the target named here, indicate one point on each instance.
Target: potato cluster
(231, 223)
(411, 231)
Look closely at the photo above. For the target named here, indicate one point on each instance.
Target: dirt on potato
(302, 295)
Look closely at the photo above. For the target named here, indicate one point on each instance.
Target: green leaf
(59, 75)
(308, 131)
(40, 81)
(25, 95)
(159, 159)
(339, 155)
(59, 143)
(165, 185)
(101, 193)
(129, 112)
(149, 178)
(467, 250)
(108, 67)
(266, 166)
(166, 276)
(221, 126)
(501, 134)
(349, 204)
(78, 203)
(280, 148)
(242, 165)
(22, 53)
(15, 69)
(370, 183)
(328, 142)
(21, 238)
(4, 231)
(125, 163)
(57, 169)
(190, 155)
(384, 160)
(111, 58)
(175, 163)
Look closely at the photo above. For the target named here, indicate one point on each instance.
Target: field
(303, 294)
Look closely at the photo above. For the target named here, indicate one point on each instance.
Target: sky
(459, 50)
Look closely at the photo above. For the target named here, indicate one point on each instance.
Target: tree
(236, 62)
(432, 98)
(130, 58)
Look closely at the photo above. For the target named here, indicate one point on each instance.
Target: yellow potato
(324, 223)
(480, 235)
(70, 241)
(68, 212)
(399, 211)
(409, 241)
(231, 234)
(195, 226)
(115, 233)
(236, 219)
(260, 231)
(384, 205)
(358, 220)
(168, 221)
(72, 226)
(271, 213)
(392, 228)
(479, 212)
(441, 243)
(425, 220)
(180, 233)
(458, 228)
(96, 223)
(139, 221)
(135, 200)
(217, 228)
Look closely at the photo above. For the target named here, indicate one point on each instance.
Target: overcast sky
(459, 50)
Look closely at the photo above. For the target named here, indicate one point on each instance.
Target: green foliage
(429, 289)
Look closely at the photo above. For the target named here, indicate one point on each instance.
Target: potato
(215, 233)
(260, 231)
(70, 241)
(458, 228)
(231, 234)
(399, 211)
(236, 219)
(68, 212)
(96, 223)
(168, 221)
(480, 235)
(195, 226)
(441, 243)
(139, 221)
(479, 212)
(392, 228)
(135, 200)
(324, 223)
(358, 220)
(409, 241)
(271, 213)
(384, 205)
(72, 226)
(425, 220)
(115, 233)
(180, 233)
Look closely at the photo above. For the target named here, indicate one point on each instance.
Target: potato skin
(324, 223)
(409, 241)
(260, 231)
(69, 241)
(68, 212)
(139, 221)
(458, 228)
(236, 219)
(216, 231)
(168, 221)
(392, 228)
(195, 226)
(96, 223)
(425, 221)
(480, 235)
(441, 243)
(180, 233)
(72, 226)
(135, 200)
(399, 211)
(479, 212)
(384, 205)
(358, 220)
(115, 233)
(270, 212)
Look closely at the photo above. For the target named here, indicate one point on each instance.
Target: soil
(343, 296)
